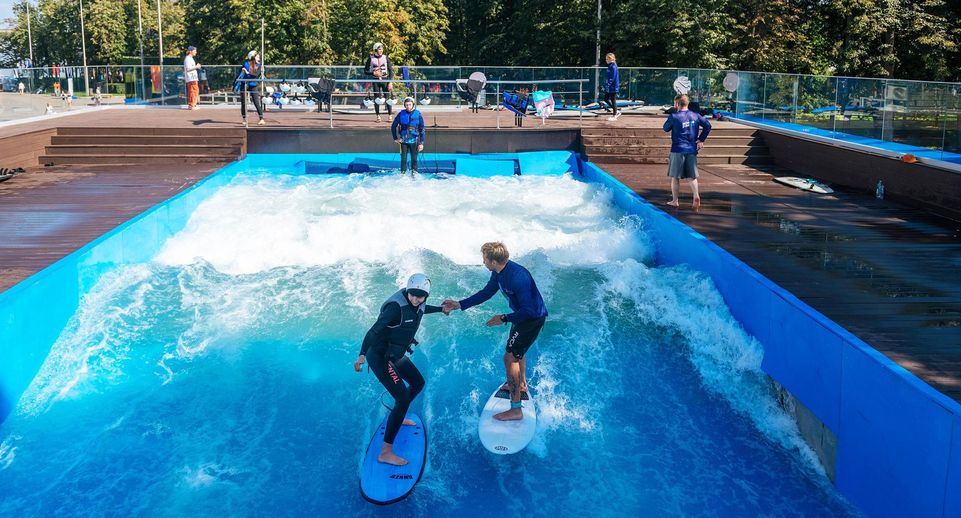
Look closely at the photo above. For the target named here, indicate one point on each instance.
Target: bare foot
(514, 414)
(391, 458)
(507, 388)
(697, 203)
(674, 203)
(409, 422)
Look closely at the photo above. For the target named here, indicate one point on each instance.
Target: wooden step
(131, 159)
(206, 132)
(665, 149)
(658, 132)
(80, 140)
(230, 150)
(701, 159)
(666, 139)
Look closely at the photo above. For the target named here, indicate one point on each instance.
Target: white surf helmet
(418, 285)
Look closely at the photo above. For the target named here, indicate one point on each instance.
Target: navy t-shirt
(684, 127)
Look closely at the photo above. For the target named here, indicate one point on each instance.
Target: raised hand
(495, 320)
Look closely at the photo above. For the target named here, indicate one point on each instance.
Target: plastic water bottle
(879, 192)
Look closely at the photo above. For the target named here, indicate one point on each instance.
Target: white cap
(378, 45)
(251, 54)
(418, 285)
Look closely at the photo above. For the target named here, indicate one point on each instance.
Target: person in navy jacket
(527, 317)
(612, 85)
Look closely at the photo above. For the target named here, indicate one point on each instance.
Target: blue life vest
(410, 123)
(515, 103)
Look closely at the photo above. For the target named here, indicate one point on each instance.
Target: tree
(106, 27)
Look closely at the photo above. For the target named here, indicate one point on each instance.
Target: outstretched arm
(428, 309)
(481, 296)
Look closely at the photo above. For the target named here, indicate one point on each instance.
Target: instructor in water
(408, 131)
(526, 320)
(385, 349)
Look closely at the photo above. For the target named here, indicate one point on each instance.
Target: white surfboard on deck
(506, 437)
(805, 184)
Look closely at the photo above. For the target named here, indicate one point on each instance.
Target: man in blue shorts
(688, 131)
(527, 317)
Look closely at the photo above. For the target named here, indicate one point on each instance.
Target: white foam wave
(727, 359)
(255, 225)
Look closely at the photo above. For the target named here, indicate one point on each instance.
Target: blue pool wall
(899, 440)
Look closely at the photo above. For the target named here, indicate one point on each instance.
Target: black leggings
(380, 90)
(611, 99)
(255, 97)
(392, 374)
(412, 148)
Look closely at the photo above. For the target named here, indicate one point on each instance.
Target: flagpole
(83, 41)
(160, 34)
(29, 34)
(143, 70)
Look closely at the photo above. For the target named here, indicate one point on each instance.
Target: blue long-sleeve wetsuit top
(518, 286)
(613, 79)
(411, 126)
(684, 127)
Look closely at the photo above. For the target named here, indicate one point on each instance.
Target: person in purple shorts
(688, 131)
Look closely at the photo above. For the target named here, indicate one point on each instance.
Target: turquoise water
(217, 377)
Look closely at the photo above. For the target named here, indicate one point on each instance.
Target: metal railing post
(497, 107)
(580, 105)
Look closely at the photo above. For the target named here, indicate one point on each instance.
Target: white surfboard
(506, 437)
(805, 184)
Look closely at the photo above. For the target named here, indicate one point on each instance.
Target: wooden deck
(50, 212)
(887, 273)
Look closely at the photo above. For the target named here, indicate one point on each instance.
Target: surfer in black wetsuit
(385, 348)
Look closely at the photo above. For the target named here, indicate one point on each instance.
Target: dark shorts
(522, 336)
(682, 165)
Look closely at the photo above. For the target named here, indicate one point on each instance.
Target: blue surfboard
(384, 484)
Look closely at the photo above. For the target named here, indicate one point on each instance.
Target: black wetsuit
(385, 347)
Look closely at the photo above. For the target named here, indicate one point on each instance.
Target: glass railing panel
(951, 140)
(914, 113)
(780, 97)
(749, 101)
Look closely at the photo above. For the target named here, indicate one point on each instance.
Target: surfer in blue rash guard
(527, 319)
(385, 348)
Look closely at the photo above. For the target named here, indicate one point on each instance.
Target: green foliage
(911, 39)
(106, 24)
